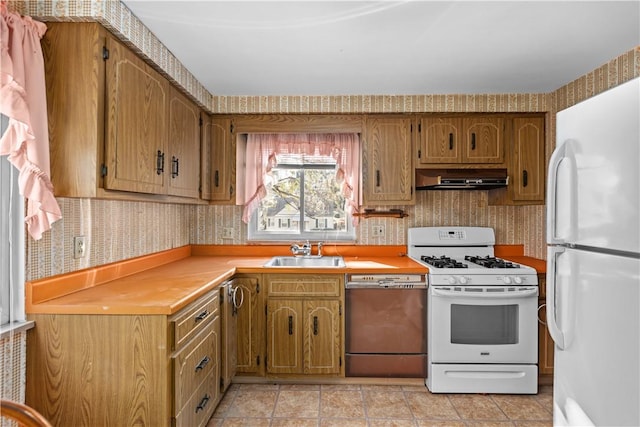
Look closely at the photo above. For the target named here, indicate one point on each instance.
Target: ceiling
(390, 47)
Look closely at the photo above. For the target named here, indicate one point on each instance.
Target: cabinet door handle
(175, 166)
(451, 141)
(290, 325)
(160, 162)
(378, 178)
(201, 316)
(202, 403)
(315, 325)
(473, 141)
(216, 179)
(205, 360)
(525, 178)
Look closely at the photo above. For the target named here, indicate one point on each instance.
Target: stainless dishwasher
(386, 325)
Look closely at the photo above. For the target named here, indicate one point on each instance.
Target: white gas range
(481, 313)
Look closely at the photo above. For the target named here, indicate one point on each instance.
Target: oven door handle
(525, 293)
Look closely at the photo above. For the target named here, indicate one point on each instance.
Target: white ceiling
(390, 47)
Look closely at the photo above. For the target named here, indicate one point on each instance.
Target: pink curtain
(262, 155)
(23, 100)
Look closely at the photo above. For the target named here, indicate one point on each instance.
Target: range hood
(461, 179)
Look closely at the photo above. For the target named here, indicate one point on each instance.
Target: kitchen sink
(306, 261)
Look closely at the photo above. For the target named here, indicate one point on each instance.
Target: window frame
(253, 234)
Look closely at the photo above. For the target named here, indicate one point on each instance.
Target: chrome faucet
(305, 249)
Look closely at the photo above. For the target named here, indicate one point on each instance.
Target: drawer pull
(201, 316)
(202, 403)
(473, 141)
(315, 325)
(204, 362)
(290, 325)
(451, 141)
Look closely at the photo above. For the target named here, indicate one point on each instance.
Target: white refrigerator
(593, 260)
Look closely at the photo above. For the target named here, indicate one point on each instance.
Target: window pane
(279, 211)
(323, 201)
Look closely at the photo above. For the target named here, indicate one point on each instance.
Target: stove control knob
(451, 280)
(517, 280)
(506, 280)
(463, 280)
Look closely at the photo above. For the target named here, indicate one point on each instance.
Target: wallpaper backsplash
(118, 230)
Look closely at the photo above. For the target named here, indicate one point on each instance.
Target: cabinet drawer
(199, 408)
(192, 319)
(307, 285)
(195, 362)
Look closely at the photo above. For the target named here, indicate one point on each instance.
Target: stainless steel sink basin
(306, 262)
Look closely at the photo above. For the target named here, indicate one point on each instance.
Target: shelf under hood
(461, 179)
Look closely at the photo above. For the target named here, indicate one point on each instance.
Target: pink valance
(23, 100)
(263, 151)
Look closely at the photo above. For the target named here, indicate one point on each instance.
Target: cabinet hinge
(265, 310)
(258, 360)
(221, 383)
(340, 309)
(340, 360)
(231, 127)
(258, 288)
(419, 127)
(105, 53)
(103, 170)
(200, 122)
(411, 128)
(419, 154)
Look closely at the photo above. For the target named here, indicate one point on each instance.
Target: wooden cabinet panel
(117, 370)
(322, 344)
(184, 146)
(250, 325)
(218, 159)
(440, 140)
(137, 114)
(304, 324)
(461, 140)
(484, 140)
(528, 159)
(284, 336)
(388, 168)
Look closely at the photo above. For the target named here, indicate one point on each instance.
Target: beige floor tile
(246, 422)
(380, 403)
(341, 404)
(253, 404)
(343, 422)
(297, 404)
(381, 422)
(306, 387)
(534, 423)
(295, 422)
(489, 424)
(333, 387)
(521, 407)
(431, 406)
(476, 407)
(432, 423)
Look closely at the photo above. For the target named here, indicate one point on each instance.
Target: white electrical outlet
(378, 231)
(79, 247)
(227, 233)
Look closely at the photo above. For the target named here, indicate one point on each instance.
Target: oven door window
(484, 324)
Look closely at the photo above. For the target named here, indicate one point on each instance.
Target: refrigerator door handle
(552, 180)
(554, 330)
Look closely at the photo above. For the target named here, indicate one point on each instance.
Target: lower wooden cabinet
(116, 370)
(545, 342)
(250, 326)
(304, 324)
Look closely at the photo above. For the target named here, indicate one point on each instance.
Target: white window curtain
(23, 101)
(262, 151)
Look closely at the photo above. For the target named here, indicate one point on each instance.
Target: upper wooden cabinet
(115, 124)
(388, 173)
(456, 140)
(218, 159)
(183, 159)
(526, 163)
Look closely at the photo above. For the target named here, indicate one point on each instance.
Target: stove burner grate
(490, 262)
(442, 262)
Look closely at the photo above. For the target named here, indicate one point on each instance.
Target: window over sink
(303, 187)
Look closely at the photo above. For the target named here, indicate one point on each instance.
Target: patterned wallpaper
(118, 230)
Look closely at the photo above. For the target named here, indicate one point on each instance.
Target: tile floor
(276, 405)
